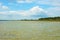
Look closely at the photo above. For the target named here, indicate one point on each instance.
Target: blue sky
(28, 9)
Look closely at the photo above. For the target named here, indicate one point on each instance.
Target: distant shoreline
(32, 20)
(40, 19)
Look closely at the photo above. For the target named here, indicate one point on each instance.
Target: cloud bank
(33, 13)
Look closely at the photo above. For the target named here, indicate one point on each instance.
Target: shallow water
(29, 30)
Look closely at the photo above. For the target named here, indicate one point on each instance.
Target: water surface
(29, 30)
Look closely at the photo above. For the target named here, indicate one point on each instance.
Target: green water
(29, 30)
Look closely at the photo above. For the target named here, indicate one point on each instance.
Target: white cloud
(33, 11)
(36, 9)
(25, 1)
(2, 7)
(29, 1)
(20, 1)
(49, 2)
(46, 2)
(40, 2)
(24, 13)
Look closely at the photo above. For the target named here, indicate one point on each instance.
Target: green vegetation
(50, 19)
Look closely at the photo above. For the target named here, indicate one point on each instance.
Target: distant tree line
(43, 19)
(50, 18)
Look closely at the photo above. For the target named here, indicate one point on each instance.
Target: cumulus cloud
(37, 9)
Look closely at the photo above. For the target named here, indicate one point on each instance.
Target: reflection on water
(29, 30)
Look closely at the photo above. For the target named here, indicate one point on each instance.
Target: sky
(28, 9)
